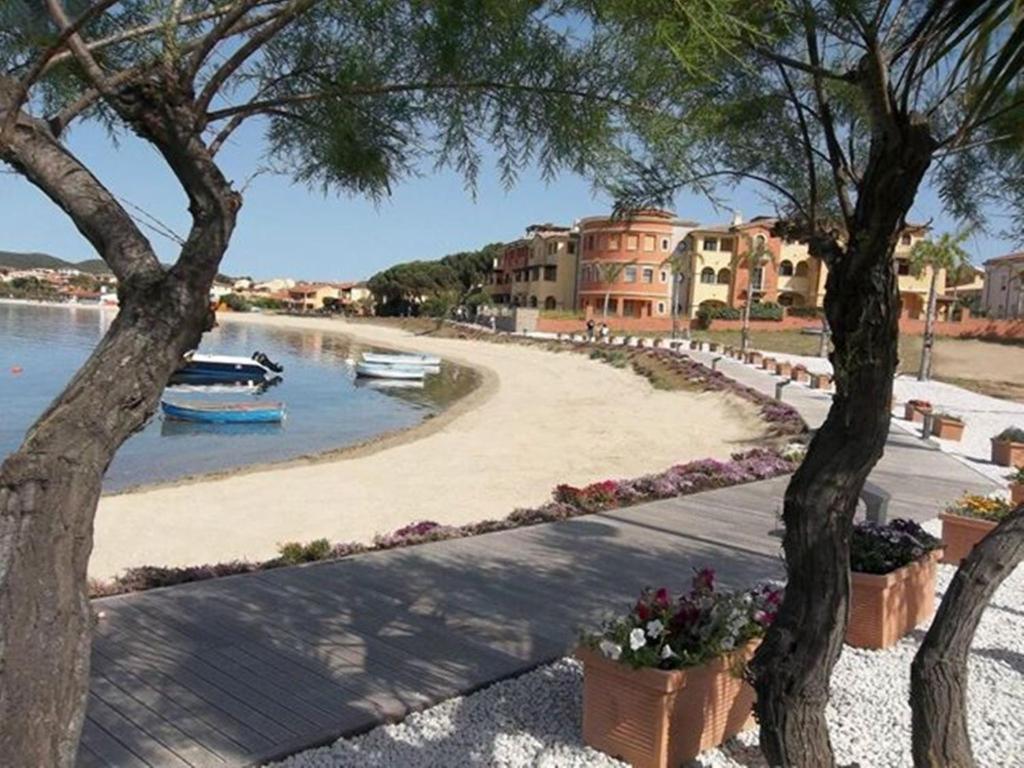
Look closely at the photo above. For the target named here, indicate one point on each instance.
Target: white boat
(381, 358)
(376, 371)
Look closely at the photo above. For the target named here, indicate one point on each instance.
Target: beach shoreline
(536, 419)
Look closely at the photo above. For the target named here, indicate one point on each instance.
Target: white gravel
(534, 720)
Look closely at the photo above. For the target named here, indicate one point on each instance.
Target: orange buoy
(15, 369)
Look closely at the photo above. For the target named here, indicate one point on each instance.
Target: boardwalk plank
(107, 749)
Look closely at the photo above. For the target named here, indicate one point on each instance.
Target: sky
(286, 229)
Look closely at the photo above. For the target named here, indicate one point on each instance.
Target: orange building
(624, 262)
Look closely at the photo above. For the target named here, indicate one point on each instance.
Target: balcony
(793, 284)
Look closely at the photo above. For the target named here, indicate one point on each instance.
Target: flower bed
(567, 501)
(967, 521)
(892, 586)
(665, 683)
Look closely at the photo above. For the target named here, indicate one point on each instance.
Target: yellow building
(715, 270)
(538, 270)
(309, 297)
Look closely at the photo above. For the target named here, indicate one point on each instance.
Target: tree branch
(248, 49)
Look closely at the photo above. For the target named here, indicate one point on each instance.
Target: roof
(1010, 257)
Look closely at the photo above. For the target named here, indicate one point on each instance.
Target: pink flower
(661, 598)
(704, 580)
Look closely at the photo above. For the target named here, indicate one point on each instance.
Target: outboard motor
(266, 362)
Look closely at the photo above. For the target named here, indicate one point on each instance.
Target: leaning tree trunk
(745, 324)
(50, 486)
(925, 371)
(938, 676)
(794, 664)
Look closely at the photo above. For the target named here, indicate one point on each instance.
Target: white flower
(655, 628)
(728, 644)
(610, 650)
(637, 639)
(667, 652)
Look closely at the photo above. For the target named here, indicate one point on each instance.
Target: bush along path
(663, 369)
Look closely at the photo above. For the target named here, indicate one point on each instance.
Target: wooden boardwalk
(242, 670)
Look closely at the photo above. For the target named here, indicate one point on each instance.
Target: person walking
(590, 329)
(604, 333)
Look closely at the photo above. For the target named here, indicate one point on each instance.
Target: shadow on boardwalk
(246, 669)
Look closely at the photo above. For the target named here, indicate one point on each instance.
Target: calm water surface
(326, 407)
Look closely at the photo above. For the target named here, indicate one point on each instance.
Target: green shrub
(295, 552)
(1011, 435)
(806, 312)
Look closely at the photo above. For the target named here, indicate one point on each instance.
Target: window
(661, 308)
(664, 243)
(802, 269)
(786, 268)
(664, 276)
(552, 248)
(630, 273)
(726, 243)
(723, 276)
(759, 241)
(757, 278)
(549, 302)
(648, 275)
(707, 275)
(710, 243)
(590, 242)
(649, 241)
(613, 242)
(632, 242)
(571, 247)
(550, 274)
(905, 240)
(902, 267)
(535, 273)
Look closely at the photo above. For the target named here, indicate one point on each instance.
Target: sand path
(537, 420)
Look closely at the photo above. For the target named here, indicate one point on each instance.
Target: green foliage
(445, 283)
(760, 311)
(236, 303)
(806, 312)
(945, 252)
(294, 552)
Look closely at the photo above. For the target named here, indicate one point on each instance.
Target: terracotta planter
(960, 534)
(915, 412)
(754, 358)
(885, 607)
(660, 719)
(768, 363)
(783, 369)
(947, 429)
(821, 381)
(800, 375)
(1016, 493)
(1007, 454)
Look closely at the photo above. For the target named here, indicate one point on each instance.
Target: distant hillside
(46, 261)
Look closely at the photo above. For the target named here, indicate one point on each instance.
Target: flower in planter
(992, 508)
(673, 633)
(922, 405)
(1017, 476)
(880, 549)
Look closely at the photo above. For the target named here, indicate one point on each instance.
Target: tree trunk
(794, 664)
(925, 371)
(49, 489)
(607, 299)
(675, 308)
(938, 676)
(745, 324)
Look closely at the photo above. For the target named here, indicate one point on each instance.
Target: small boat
(223, 413)
(376, 371)
(223, 369)
(380, 358)
(387, 384)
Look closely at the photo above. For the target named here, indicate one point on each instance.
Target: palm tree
(677, 264)
(609, 272)
(937, 255)
(755, 257)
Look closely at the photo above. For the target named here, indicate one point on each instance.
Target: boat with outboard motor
(223, 413)
(225, 369)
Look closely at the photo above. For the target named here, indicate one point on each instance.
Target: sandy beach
(538, 419)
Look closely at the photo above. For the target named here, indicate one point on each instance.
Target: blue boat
(225, 369)
(223, 413)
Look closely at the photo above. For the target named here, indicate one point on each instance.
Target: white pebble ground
(534, 720)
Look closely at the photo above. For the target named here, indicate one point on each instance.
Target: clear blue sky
(287, 229)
